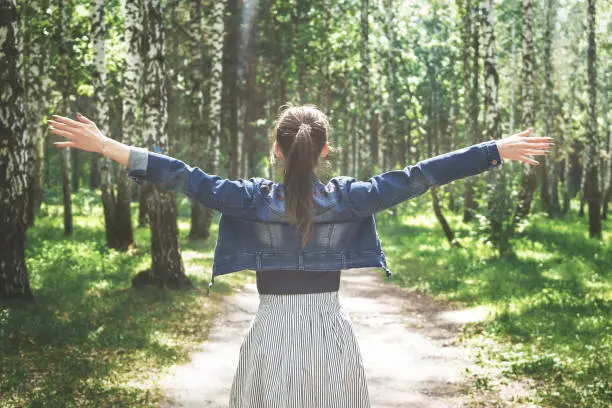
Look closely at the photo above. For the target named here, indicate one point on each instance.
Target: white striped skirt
(300, 352)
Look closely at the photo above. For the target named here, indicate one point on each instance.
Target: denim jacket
(254, 231)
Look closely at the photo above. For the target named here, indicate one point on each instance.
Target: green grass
(89, 339)
(550, 306)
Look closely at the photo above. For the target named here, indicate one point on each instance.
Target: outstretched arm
(520, 146)
(85, 135)
(392, 187)
(228, 196)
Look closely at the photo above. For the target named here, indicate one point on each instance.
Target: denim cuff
(491, 152)
(139, 159)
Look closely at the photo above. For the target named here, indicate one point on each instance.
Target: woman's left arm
(392, 187)
(478, 158)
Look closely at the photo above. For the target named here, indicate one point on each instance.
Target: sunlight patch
(428, 248)
(164, 339)
(191, 255)
(426, 220)
(463, 316)
(525, 253)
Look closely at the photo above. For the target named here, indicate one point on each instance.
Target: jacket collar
(317, 185)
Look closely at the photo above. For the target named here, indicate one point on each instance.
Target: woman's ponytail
(298, 182)
(301, 133)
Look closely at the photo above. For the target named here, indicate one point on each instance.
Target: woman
(300, 350)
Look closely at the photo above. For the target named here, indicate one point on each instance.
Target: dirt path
(407, 342)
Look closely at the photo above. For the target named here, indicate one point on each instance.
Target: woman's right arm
(392, 187)
(230, 196)
(85, 135)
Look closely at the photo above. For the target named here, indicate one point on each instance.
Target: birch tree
(252, 96)
(36, 84)
(325, 90)
(497, 198)
(591, 192)
(549, 191)
(230, 82)
(364, 152)
(14, 173)
(98, 31)
(607, 170)
(133, 18)
(469, 36)
(64, 82)
(529, 180)
(392, 147)
(200, 225)
(167, 266)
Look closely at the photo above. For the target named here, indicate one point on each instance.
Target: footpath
(408, 342)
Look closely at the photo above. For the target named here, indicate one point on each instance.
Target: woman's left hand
(521, 145)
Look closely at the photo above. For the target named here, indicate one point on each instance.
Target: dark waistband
(279, 282)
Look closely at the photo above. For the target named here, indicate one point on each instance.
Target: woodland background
(204, 81)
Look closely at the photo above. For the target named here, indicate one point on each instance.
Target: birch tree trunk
(497, 198)
(35, 58)
(98, 32)
(569, 154)
(364, 147)
(549, 191)
(143, 49)
(392, 147)
(167, 266)
(348, 134)
(200, 225)
(252, 97)
(204, 218)
(607, 190)
(512, 118)
(64, 108)
(591, 152)
(467, 35)
(230, 82)
(133, 30)
(325, 97)
(529, 181)
(14, 173)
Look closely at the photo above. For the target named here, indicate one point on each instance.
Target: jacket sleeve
(392, 187)
(233, 196)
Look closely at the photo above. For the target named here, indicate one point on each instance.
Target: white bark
(513, 82)
(364, 148)
(214, 119)
(133, 67)
(156, 112)
(390, 129)
(98, 34)
(14, 173)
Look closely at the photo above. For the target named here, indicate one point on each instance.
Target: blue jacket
(254, 232)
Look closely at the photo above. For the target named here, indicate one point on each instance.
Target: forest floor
(409, 342)
(497, 330)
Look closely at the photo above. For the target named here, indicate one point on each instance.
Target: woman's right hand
(521, 145)
(83, 134)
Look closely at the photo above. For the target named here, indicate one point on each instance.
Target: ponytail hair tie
(304, 128)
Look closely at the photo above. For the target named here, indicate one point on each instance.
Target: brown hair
(301, 133)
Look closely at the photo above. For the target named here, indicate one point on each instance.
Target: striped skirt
(300, 352)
